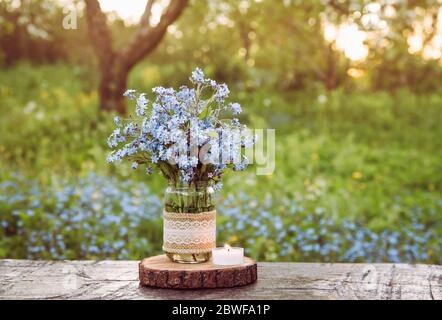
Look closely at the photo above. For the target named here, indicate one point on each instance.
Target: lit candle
(228, 256)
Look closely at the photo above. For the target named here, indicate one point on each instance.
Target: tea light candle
(228, 255)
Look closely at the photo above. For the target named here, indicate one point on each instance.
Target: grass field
(358, 175)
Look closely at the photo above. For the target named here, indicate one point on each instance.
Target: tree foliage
(266, 43)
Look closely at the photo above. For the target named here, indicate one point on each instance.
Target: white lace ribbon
(189, 232)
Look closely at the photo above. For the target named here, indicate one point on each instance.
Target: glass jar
(189, 223)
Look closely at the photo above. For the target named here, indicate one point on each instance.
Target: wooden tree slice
(159, 271)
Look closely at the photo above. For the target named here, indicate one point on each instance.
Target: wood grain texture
(159, 271)
(25, 279)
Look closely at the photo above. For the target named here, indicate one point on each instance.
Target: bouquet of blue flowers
(182, 133)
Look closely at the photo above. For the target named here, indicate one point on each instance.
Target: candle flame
(226, 246)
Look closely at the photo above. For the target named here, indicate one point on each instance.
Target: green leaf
(205, 112)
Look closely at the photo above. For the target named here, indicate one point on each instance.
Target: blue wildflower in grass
(180, 133)
(93, 249)
(129, 213)
(118, 244)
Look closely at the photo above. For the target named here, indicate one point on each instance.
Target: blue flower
(130, 93)
(197, 76)
(142, 102)
(222, 92)
(218, 186)
(236, 108)
(178, 124)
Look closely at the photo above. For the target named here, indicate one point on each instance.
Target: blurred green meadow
(358, 175)
(356, 179)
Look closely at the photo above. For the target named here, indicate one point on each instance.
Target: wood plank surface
(26, 279)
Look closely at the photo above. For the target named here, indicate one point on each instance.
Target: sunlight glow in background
(346, 37)
(349, 39)
(132, 11)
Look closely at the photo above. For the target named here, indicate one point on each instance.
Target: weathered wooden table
(25, 279)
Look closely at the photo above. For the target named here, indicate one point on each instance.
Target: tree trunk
(115, 65)
(330, 80)
(113, 84)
